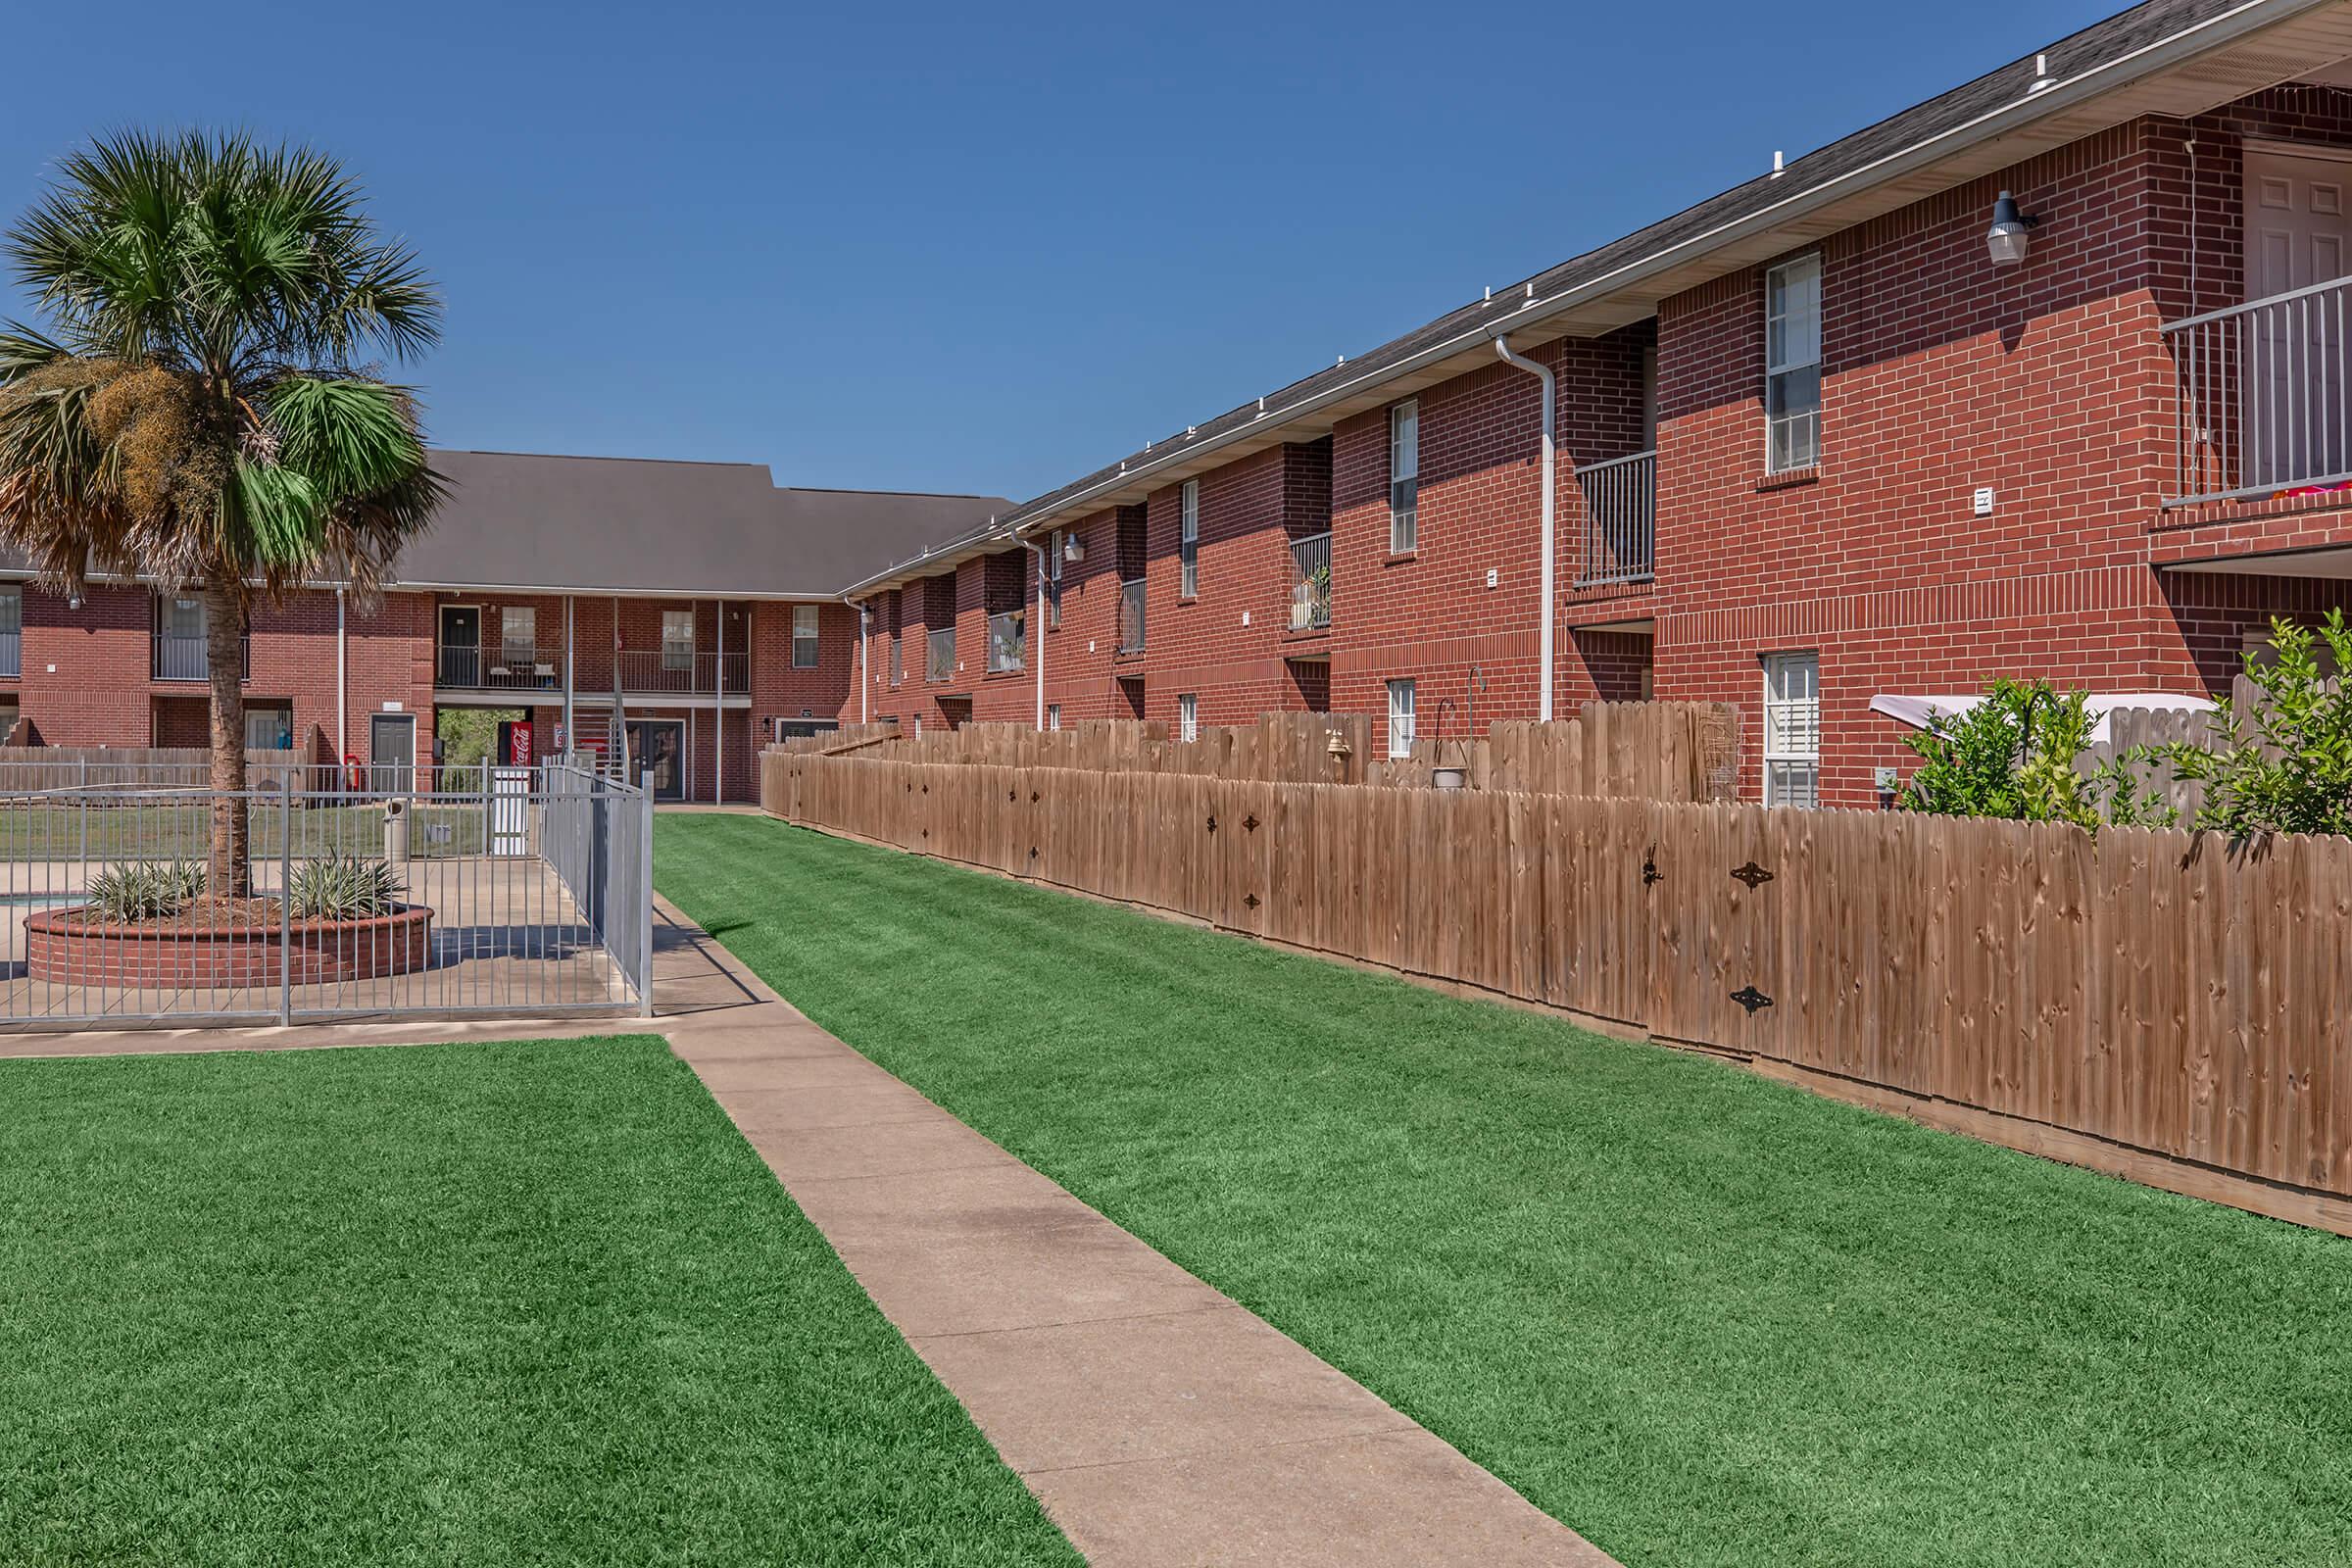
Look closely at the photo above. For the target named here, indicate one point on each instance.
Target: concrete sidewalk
(1158, 1422)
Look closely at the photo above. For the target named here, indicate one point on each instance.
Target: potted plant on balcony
(196, 412)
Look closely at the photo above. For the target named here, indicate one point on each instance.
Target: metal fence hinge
(1755, 875)
(1751, 998)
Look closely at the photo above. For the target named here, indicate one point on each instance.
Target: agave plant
(343, 886)
(141, 890)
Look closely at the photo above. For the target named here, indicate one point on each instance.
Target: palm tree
(198, 414)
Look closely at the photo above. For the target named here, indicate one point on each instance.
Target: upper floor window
(1792, 365)
(678, 639)
(1187, 542)
(803, 636)
(518, 635)
(1792, 729)
(1404, 476)
(1053, 577)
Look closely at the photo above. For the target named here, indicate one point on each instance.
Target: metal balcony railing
(465, 668)
(939, 655)
(1310, 582)
(1008, 640)
(1621, 520)
(1131, 616)
(655, 670)
(2263, 396)
(179, 655)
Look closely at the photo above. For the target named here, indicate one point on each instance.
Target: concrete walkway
(1159, 1422)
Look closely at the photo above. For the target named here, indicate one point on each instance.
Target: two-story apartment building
(2049, 375)
(688, 611)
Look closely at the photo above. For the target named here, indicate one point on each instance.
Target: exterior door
(392, 753)
(658, 746)
(2298, 424)
(461, 645)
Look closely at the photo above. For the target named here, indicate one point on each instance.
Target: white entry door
(2298, 424)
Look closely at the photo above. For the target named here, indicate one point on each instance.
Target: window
(898, 659)
(184, 619)
(803, 636)
(1007, 640)
(1052, 715)
(1792, 729)
(518, 636)
(678, 639)
(1404, 476)
(1401, 719)
(1792, 365)
(1054, 579)
(1188, 717)
(269, 726)
(12, 632)
(1188, 543)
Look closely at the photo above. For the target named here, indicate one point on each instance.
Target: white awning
(1916, 710)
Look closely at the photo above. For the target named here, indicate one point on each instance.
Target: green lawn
(1703, 1318)
(448, 1304)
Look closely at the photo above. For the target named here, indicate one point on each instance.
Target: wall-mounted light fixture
(2007, 238)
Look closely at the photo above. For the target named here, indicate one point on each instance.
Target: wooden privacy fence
(1662, 751)
(2148, 991)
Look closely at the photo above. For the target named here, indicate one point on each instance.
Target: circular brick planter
(64, 946)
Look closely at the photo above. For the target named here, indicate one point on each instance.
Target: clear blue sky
(977, 249)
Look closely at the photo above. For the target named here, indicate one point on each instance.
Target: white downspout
(866, 669)
(342, 684)
(1038, 627)
(1502, 347)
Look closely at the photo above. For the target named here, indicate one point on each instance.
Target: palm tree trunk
(227, 868)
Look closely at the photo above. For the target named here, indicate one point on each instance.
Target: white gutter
(2039, 102)
(1502, 347)
(1038, 626)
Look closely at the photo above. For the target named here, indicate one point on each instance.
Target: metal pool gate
(517, 892)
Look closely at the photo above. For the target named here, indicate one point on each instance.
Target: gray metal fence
(527, 894)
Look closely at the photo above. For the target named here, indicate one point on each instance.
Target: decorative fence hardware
(1750, 998)
(1755, 875)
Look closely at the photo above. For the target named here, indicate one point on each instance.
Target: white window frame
(1404, 477)
(806, 626)
(1400, 717)
(1187, 541)
(518, 636)
(677, 652)
(12, 631)
(1054, 580)
(1792, 728)
(1052, 715)
(1786, 359)
(1188, 716)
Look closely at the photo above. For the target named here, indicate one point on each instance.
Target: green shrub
(144, 891)
(2283, 765)
(2018, 754)
(343, 886)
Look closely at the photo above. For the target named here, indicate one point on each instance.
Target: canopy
(1916, 710)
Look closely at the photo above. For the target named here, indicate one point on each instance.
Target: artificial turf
(452, 1305)
(1703, 1318)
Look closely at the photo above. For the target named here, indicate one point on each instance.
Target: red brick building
(1855, 429)
(689, 611)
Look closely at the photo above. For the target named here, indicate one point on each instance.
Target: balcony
(2262, 397)
(1131, 616)
(682, 672)
(1008, 640)
(1310, 582)
(182, 656)
(939, 655)
(1621, 520)
(499, 668)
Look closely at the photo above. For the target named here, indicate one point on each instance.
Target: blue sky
(977, 248)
